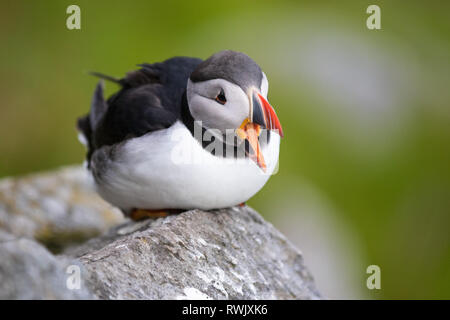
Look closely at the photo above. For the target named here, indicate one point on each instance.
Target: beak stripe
(269, 114)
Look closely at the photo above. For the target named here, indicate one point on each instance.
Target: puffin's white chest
(168, 169)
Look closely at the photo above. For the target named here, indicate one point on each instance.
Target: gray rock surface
(58, 208)
(29, 271)
(223, 254)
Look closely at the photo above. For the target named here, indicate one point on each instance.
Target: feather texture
(149, 99)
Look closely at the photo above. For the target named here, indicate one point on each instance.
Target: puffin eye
(221, 97)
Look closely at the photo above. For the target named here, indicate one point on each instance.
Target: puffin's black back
(150, 99)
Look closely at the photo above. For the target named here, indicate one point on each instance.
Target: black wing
(149, 100)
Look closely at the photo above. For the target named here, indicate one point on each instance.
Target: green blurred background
(365, 163)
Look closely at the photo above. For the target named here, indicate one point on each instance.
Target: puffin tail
(87, 124)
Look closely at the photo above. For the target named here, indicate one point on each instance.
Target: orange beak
(262, 116)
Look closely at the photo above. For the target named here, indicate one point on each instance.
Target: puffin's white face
(230, 110)
(220, 104)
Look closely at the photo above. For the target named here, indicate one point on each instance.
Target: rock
(30, 271)
(222, 254)
(58, 208)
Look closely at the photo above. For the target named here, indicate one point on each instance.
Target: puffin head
(228, 93)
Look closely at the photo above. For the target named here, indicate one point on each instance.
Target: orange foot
(241, 204)
(140, 214)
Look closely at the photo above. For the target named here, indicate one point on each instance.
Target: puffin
(182, 134)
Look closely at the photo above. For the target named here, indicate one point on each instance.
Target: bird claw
(140, 214)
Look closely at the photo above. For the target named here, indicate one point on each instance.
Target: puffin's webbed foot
(140, 214)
